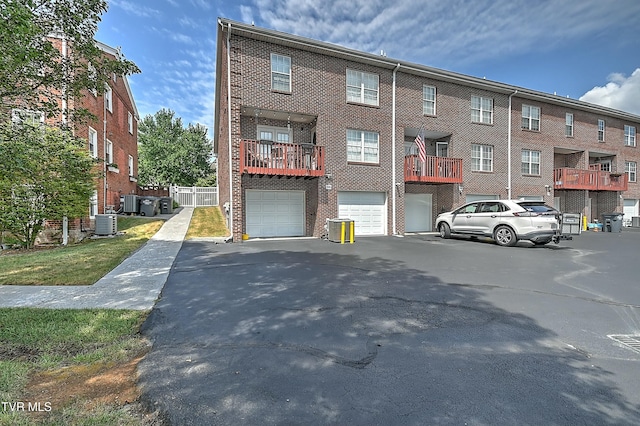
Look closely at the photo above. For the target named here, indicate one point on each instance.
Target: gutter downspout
(509, 150)
(393, 152)
(230, 133)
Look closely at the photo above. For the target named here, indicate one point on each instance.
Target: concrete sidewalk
(134, 284)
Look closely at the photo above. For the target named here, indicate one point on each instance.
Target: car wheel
(505, 236)
(445, 231)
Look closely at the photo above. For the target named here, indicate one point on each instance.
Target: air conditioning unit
(130, 204)
(106, 224)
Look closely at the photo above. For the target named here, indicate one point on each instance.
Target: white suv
(506, 221)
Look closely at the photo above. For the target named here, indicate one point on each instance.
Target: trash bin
(341, 230)
(612, 222)
(166, 205)
(148, 206)
(571, 224)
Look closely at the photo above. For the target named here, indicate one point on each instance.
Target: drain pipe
(231, 208)
(509, 150)
(393, 151)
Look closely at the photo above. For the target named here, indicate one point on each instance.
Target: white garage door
(477, 197)
(367, 209)
(630, 210)
(417, 212)
(274, 213)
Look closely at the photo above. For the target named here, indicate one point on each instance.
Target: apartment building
(307, 131)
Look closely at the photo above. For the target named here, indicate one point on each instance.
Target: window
(280, 73)
(362, 147)
(130, 166)
(108, 101)
(93, 142)
(130, 121)
(600, 130)
(530, 118)
(481, 110)
(530, 162)
(109, 153)
(629, 135)
(92, 74)
(93, 205)
(428, 100)
(274, 134)
(631, 167)
(362, 87)
(20, 116)
(481, 158)
(568, 128)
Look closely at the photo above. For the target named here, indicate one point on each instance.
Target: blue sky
(583, 49)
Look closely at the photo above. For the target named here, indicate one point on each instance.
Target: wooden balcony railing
(281, 159)
(434, 170)
(592, 179)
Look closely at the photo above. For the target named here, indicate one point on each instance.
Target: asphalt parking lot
(389, 330)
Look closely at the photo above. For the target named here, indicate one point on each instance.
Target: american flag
(422, 152)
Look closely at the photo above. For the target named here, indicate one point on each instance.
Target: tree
(169, 153)
(47, 173)
(35, 74)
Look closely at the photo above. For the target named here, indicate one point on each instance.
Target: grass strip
(207, 222)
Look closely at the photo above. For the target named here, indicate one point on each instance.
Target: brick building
(112, 138)
(307, 131)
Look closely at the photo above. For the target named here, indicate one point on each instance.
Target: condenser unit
(130, 204)
(106, 224)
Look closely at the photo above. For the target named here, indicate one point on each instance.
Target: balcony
(281, 159)
(593, 180)
(434, 170)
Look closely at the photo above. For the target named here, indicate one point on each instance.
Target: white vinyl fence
(194, 196)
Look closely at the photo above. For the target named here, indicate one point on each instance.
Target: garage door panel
(367, 209)
(275, 213)
(418, 216)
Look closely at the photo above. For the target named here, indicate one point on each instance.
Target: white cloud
(620, 92)
(135, 9)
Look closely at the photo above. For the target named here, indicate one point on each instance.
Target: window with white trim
(530, 117)
(92, 74)
(25, 116)
(93, 205)
(362, 87)
(530, 164)
(481, 110)
(601, 127)
(109, 153)
(481, 158)
(568, 126)
(631, 168)
(93, 142)
(363, 147)
(428, 100)
(280, 73)
(130, 121)
(130, 166)
(108, 99)
(629, 135)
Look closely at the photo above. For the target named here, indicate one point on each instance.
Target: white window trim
(530, 162)
(130, 166)
(93, 151)
(568, 129)
(93, 205)
(18, 115)
(530, 118)
(483, 156)
(275, 56)
(275, 131)
(632, 172)
(108, 99)
(362, 147)
(109, 153)
(362, 99)
(130, 122)
(629, 135)
(426, 101)
(604, 125)
(481, 110)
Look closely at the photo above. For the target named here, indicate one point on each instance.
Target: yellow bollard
(584, 223)
(352, 232)
(342, 229)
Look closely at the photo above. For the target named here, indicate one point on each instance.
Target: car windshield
(537, 207)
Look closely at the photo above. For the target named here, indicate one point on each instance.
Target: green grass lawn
(207, 222)
(77, 264)
(42, 342)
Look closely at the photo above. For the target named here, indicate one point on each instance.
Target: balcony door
(442, 149)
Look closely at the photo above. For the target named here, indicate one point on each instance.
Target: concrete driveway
(413, 330)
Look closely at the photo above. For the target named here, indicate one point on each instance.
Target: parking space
(389, 330)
